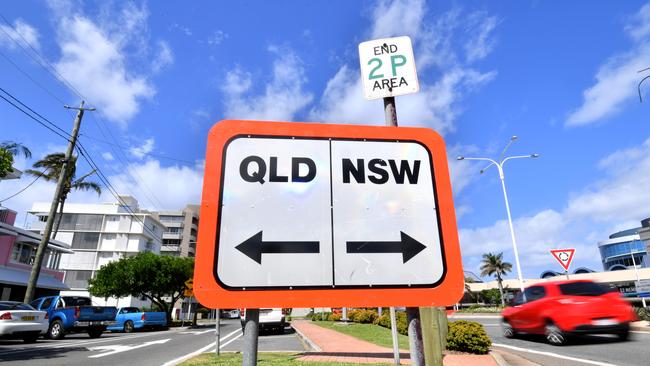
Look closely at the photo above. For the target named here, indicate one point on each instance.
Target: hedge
(467, 336)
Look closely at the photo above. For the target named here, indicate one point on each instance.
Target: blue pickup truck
(69, 314)
(131, 318)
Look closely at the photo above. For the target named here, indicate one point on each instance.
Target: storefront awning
(14, 276)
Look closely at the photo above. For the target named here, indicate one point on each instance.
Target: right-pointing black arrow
(408, 246)
(254, 247)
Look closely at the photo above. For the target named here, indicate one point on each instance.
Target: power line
(35, 119)
(36, 113)
(149, 154)
(22, 190)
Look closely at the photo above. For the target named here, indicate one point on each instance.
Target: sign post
(388, 69)
(564, 257)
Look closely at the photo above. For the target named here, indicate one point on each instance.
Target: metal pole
(636, 272)
(512, 229)
(393, 331)
(415, 336)
(390, 111)
(217, 323)
(251, 332)
(63, 175)
(566, 273)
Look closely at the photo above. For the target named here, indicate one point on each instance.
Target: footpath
(331, 346)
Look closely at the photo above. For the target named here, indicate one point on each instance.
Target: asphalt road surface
(139, 348)
(599, 350)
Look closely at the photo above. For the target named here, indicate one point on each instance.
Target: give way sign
(563, 256)
(308, 215)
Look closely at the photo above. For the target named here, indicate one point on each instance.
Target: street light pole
(499, 166)
(636, 272)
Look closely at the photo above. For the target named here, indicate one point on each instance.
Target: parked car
(269, 319)
(75, 314)
(19, 320)
(561, 309)
(230, 314)
(130, 318)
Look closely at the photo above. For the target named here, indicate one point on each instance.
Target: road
(140, 348)
(592, 350)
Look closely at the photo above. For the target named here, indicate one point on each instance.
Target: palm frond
(16, 148)
(87, 186)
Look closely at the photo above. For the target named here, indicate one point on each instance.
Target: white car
(18, 320)
(269, 319)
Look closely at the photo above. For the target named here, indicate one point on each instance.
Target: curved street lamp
(499, 164)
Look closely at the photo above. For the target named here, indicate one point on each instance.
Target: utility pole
(40, 252)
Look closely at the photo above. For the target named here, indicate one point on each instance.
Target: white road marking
(470, 316)
(119, 348)
(178, 360)
(196, 332)
(551, 354)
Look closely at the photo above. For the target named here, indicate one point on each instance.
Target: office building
(181, 228)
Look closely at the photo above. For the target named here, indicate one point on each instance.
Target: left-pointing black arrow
(254, 247)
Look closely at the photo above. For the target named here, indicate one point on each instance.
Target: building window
(77, 279)
(81, 222)
(171, 242)
(23, 253)
(85, 240)
(167, 218)
(173, 230)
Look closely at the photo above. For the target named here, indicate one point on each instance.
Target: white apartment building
(99, 234)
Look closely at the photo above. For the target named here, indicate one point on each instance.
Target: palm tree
(15, 148)
(9, 149)
(493, 264)
(51, 166)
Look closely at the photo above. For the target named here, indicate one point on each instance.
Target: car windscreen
(14, 306)
(583, 289)
(76, 301)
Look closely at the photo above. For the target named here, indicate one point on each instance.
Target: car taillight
(242, 312)
(5, 316)
(46, 316)
(142, 317)
(77, 311)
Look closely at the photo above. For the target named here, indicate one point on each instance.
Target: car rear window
(76, 301)
(583, 289)
(130, 310)
(14, 306)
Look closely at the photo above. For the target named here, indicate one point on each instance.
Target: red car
(562, 308)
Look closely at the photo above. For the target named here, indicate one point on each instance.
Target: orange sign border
(208, 291)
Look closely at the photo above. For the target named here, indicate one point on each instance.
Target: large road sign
(307, 215)
(563, 256)
(388, 67)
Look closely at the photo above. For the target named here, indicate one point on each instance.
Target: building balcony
(172, 223)
(172, 235)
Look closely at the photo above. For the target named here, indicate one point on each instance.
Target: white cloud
(283, 95)
(480, 46)
(462, 172)
(216, 38)
(396, 18)
(164, 57)
(94, 63)
(21, 32)
(183, 29)
(617, 79)
(140, 151)
(108, 156)
(619, 200)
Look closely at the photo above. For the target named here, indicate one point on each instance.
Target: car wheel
(95, 332)
(554, 335)
(56, 330)
(508, 330)
(128, 326)
(624, 334)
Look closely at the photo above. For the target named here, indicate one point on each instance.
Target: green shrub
(321, 316)
(400, 317)
(366, 316)
(467, 336)
(352, 315)
(334, 317)
(642, 313)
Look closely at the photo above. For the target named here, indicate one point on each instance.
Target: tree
(52, 165)
(9, 149)
(147, 275)
(493, 264)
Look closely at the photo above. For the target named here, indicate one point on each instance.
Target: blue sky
(562, 77)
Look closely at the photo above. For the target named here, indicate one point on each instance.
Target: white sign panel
(642, 286)
(327, 213)
(388, 67)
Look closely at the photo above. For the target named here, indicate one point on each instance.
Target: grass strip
(263, 359)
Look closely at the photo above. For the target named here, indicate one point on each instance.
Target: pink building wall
(7, 244)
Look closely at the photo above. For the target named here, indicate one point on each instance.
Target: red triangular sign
(564, 256)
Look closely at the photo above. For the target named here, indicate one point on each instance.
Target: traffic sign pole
(413, 313)
(251, 332)
(217, 340)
